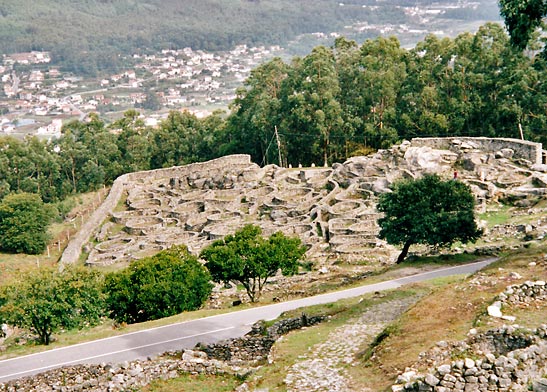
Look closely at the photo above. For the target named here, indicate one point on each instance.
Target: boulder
(430, 160)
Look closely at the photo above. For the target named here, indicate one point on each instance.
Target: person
(455, 175)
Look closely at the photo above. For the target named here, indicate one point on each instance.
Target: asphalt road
(148, 343)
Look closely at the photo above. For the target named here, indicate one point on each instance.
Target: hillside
(365, 342)
(89, 36)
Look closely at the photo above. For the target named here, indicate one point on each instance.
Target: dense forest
(325, 107)
(93, 36)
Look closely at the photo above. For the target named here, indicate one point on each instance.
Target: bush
(163, 285)
(46, 301)
(248, 258)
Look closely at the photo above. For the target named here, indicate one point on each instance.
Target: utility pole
(521, 133)
(278, 146)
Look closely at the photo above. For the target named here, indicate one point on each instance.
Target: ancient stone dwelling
(332, 209)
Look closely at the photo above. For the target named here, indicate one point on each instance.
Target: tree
(248, 258)
(522, 18)
(256, 111)
(429, 211)
(312, 109)
(177, 140)
(46, 301)
(24, 219)
(168, 283)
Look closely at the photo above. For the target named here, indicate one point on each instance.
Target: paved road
(142, 344)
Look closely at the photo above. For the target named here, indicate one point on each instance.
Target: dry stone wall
(521, 149)
(515, 359)
(74, 248)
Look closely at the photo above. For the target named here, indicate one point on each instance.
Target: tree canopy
(45, 301)
(170, 282)
(429, 211)
(522, 18)
(250, 259)
(24, 221)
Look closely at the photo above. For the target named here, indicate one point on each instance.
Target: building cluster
(40, 97)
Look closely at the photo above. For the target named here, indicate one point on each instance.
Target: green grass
(496, 217)
(195, 383)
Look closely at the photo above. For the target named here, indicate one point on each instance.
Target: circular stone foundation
(341, 225)
(114, 245)
(142, 225)
(347, 207)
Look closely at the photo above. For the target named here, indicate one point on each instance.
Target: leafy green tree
(256, 112)
(312, 108)
(248, 258)
(133, 141)
(522, 18)
(383, 71)
(46, 300)
(429, 211)
(168, 283)
(24, 219)
(177, 140)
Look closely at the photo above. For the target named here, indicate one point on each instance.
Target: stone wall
(523, 294)
(256, 346)
(522, 149)
(523, 359)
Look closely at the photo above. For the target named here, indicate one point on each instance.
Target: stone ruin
(332, 209)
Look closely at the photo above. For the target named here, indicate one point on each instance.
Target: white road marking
(111, 353)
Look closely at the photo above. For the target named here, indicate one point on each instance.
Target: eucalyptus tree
(522, 18)
(420, 103)
(133, 141)
(176, 141)
(313, 115)
(382, 73)
(256, 113)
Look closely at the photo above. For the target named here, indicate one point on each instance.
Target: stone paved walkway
(323, 369)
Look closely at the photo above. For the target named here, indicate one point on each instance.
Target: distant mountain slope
(88, 35)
